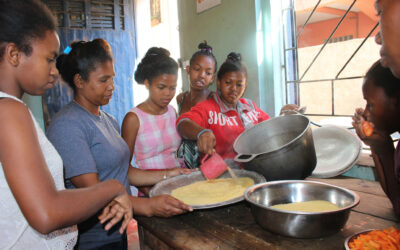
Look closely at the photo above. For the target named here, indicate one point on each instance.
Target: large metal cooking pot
(281, 148)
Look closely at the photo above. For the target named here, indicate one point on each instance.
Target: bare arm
(161, 206)
(139, 177)
(383, 155)
(189, 129)
(31, 183)
(289, 108)
(179, 98)
(384, 163)
(112, 210)
(129, 130)
(383, 151)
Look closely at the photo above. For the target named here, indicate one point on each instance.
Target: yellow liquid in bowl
(308, 206)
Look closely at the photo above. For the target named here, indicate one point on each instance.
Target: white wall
(164, 35)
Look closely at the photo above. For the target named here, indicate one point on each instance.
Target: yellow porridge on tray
(212, 191)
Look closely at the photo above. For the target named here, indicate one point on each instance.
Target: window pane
(317, 97)
(155, 9)
(326, 44)
(345, 98)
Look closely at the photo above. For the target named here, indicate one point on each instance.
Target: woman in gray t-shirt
(89, 142)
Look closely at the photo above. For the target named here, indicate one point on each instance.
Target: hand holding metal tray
(166, 186)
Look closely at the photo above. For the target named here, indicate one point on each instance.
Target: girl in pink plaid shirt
(149, 129)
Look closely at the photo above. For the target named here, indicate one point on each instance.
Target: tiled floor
(133, 236)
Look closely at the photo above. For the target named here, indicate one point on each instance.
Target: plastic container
(213, 166)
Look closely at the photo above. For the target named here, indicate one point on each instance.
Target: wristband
(202, 132)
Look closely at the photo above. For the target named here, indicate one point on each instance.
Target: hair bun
(76, 44)
(156, 62)
(234, 57)
(83, 59)
(61, 61)
(205, 47)
(154, 51)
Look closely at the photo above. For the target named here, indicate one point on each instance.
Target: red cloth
(226, 123)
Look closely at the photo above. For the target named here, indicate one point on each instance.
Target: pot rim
(270, 183)
(283, 146)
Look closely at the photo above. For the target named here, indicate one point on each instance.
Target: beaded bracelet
(165, 175)
(202, 132)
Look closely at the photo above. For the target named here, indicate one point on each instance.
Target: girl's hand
(358, 119)
(289, 109)
(119, 208)
(206, 143)
(371, 138)
(167, 206)
(178, 171)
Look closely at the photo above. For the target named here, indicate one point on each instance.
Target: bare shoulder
(17, 128)
(131, 117)
(12, 111)
(130, 128)
(131, 121)
(179, 97)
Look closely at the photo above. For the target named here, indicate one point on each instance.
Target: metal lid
(337, 150)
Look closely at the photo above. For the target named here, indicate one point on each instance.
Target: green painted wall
(253, 28)
(35, 105)
(250, 27)
(230, 26)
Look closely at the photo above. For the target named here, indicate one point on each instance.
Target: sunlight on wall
(348, 95)
(260, 41)
(165, 35)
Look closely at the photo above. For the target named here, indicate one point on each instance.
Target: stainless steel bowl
(300, 224)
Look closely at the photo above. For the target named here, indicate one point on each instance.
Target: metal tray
(353, 236)
(166, 186)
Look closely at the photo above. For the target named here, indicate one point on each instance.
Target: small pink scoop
(213, 167)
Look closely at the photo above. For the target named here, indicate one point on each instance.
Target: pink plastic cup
(213, 167)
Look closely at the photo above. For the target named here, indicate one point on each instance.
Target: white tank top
(15, 232)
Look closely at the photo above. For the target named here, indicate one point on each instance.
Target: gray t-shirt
(89, 143)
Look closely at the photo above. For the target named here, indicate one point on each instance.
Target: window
(89, 14)
(327, 54)
(331, 49)
(155, 10)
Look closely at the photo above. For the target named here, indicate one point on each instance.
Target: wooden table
(233, 226)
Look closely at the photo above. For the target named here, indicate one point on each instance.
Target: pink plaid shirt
(157, 140)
